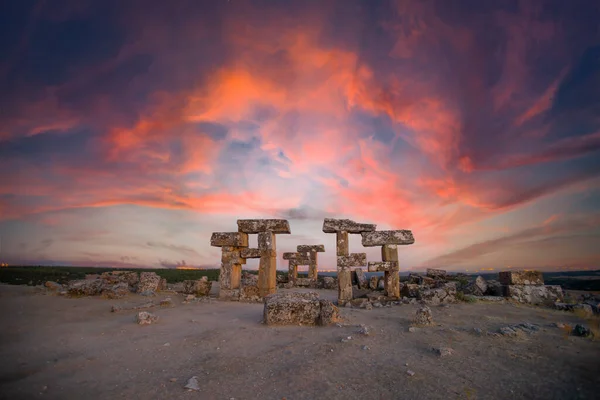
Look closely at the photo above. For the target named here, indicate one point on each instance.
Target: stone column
(232, 244)
(310, 252)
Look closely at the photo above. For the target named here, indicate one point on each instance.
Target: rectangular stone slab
(331, 225)
(352, 260)
(237, 239)
(263, 225)
(266, 241)
(342, 247)
(305, 248)
(380, 238)
(521, 278)
(250, 253)
(382, 266)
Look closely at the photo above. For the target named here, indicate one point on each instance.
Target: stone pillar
(295, 259)
(232, 244)
(389, 241)
(310, 252)
(345, 260)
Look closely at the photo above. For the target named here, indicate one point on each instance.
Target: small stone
(558, 325)
(190, 297)
(423, 316)
(166, 302)
(365, 330)
(173, 379)
(192, 384)
(366, 348)
(508, 331)
(410, 373)
(443, 351)
(412, 329)
(146, 318)
(582, 331)
(167, 344)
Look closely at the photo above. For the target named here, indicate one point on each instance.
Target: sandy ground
(60, 348)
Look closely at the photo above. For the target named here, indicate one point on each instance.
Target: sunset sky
(131, 130)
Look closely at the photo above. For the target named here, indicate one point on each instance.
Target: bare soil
(53, 347)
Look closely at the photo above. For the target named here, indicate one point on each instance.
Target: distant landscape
(37, 275)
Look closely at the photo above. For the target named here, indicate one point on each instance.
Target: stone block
(441, 295)
(263, 225)
(315, 248)
(361, 279)
(292, 309)
(380, 238)
(477, 288)
(237, 239)
(436, 273)
(250, 253)
(331, 225)
(197, 287)
(344, 286)
(534, 294)
(521, 277)
(352, 260)
(377, 266)
(329, 282)
(303, 282)
(266, 241)
(149, 281)
(229, 294)
(410, 290)
(329, 313)
(342, 244)
(373, 282)
(389, 252)
(267, 275)
(423, 317)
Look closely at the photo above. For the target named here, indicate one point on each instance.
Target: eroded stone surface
(292, 309)
(263, 225)
(375, 266)
(436, 273)
(197, 287)
(373, 282)
(423, 317)
(85, 287)
(352, 260)
(146, 318)
(477, 288)
(53, 286)
(534, 294)
(331, 225)
(116, 291)
(250, 253)
(361, 279)
(380, 238)
(329, 282)
(441, 295)
(306, 248)
(149, 281)
(236, 239)
(266, 241)
(521, 278)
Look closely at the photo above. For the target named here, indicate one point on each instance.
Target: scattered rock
(146, 318)
(198, 287)
(53, 286)
(534, 294)
(413, 329)
(494, 288)
(478, 287)
(361, 279)
(444, 294)
(582, 331)
(410, 373)
(364, 330)
(514, 330)
(366, 348)
(329, 313)
(192, 384)
(558, 325)
(436, 273)
(410, 290)
(298, 309)
(85, 287)
(585, 310)
(423, 316)
(373, 282)
(442, 351)
(167, 302)
(116, 291)
(329, 282)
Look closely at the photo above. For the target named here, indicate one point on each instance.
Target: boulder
(441, 295)
(149, 281)
(248, 290)
(330, 314)
(85, 287)
(329, 282)
(381, 284)
(582, 331)
(198, 287)
(423, 316)
(494, 288)
(358, 293)
(53, 286)
(436, 273)
(477, 288)
(361, 279)
(116, 291)
(303, 282)
(146, 318)
(162, 285)
(166, 302)
(131, 278)
(534, 294)
(410, 290)
(295, 309)
(373, 282)
(415, 279)
(521, 278)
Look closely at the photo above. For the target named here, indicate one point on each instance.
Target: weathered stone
(53, 286)
(292, 309)
(521, 278)
(250, 253)
(304, 282)
(329, 282)
(266, 241)
(192, 384)
(377, 266)
(410, 290)
(415, 279)
(534, 294)
(380, 238)
(358, 293)
(381, 284)
(329, 313)
(298, 258)
(267, 275)
(148, 281)
(389, 252)
(352, 260)
(477, 288)
(198, 287)
(342, 244)
(116, 291)
(162, 285)
(331, 225)
(312, 248)
(360, 302)
(344, 286)
(231, 255)
(373, 282)
(114, 277)
(263, 225)
(494, 288)
(229, 276)
(436, 273)
(235, 239)
(582, 331)
(361, 279)
(146, 318)
(443, 351)
(423, 316)
(167, 302)
(442, 295)
(85, 287)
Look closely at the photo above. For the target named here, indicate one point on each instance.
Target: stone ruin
(235, 251)
(304, 255)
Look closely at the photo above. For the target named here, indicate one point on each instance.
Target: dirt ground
(53, 347)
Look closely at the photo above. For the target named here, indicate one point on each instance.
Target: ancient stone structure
(521, 278)
(528, 287)
(235, 251)
(298, 309)
(389, 241)
(345, 260)
(304, 255)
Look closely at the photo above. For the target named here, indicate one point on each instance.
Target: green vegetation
(467, 298)
(38, 275)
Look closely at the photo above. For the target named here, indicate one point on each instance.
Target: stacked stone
(267, 252)
(389, 241)
(345, 260)
(528, 287)
(232, 244)
(305, 255)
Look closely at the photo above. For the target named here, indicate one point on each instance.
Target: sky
(131, 130)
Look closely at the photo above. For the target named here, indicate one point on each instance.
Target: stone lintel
(250, 253)
(331, 225)
(380, 238)
(263, 225)
(237, 239)
(315, 248)
(382, 266)
(352, 260)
